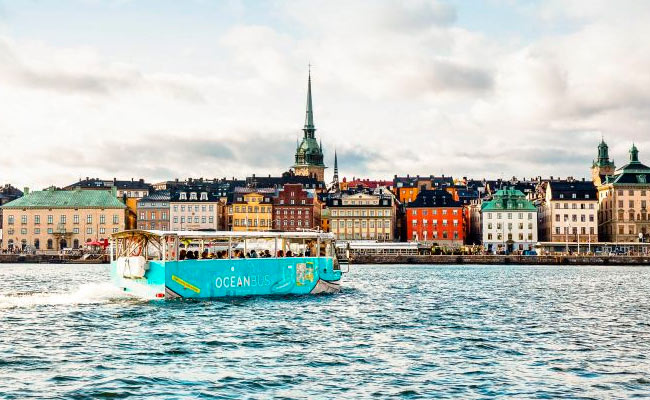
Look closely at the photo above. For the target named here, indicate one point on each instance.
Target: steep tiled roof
(572, 190)
(67, 199)
(434, 198)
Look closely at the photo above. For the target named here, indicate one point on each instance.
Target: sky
(163, 89)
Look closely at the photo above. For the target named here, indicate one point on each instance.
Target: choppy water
(409, 331)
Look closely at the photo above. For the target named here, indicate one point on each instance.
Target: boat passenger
(280, 253)
(267, 254)
(253, 254)
(289, 253)
(205, 254)
(181, 255)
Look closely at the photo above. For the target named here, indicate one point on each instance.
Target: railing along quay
(52, 259)
(499, 259)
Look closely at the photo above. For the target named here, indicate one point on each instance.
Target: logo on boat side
(242, 281)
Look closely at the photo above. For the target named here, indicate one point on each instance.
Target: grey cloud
(166, 156)
(418, 16)
(448, 76)
(96, 83)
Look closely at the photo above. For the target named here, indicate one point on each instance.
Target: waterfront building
(154, 211)
(296, 209)
(623, 199)
(8, 193)
(252, 209)
(509, 222)
(57, 219)
(568, 212)
(309, 153)
(602, 167)
(362, 216)
(129, 191)
(435, 217)
(195, 208)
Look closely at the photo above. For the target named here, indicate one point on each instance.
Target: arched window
(50, 244)
(37, 244)
(10, 244)
(63, 244)
(23, 244)
(75, 244)
(631, 215)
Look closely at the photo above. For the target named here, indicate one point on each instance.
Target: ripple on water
(395, 331)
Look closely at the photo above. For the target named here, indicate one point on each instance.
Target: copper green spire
(634, 154)
(309, 117)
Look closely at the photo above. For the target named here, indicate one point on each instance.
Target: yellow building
(252, 210)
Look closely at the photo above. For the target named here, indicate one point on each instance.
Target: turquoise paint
(232, 277)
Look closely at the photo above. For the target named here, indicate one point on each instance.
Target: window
(50, 219)
(102, 230)
(37, 219)
(142, 215)
(75, 230)
(204, 196)
(489, 236)
(89, 230)
(23, 231)
(89, 219)
(116, 219)
(37, 231)
(102, 219)
(23, 219)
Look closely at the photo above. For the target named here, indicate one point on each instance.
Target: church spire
(309, 117)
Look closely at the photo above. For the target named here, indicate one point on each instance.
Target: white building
(194, 208)
(569, 212)
(509, 222)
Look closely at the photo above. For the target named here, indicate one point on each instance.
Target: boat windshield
(177, 246)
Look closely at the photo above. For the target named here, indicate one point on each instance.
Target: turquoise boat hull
(215, 278)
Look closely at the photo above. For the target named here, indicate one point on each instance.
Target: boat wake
(89, 293)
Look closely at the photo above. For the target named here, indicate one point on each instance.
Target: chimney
(114, 181)
(583, 178)
(141, 180)
(25, 190)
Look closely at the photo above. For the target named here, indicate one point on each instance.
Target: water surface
(408, 331)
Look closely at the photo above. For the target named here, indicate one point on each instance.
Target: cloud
(399, 87)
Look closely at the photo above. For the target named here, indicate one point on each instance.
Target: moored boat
(186, 264)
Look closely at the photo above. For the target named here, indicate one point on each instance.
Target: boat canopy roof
(210, 235)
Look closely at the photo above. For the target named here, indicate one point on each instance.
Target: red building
(435, 217)
(295, 209)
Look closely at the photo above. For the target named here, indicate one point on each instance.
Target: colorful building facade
(154, 211)
(435, 217)
(362, 216)
(296, 209)
(252, 210)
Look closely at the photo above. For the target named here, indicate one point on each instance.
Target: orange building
(406, 189)
(435, 217)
